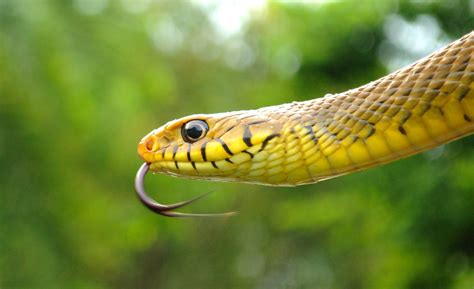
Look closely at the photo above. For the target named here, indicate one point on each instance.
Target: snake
(416, 108)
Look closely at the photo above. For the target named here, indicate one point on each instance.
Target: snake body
(428, 103)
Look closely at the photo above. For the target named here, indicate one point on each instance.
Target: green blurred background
(81, 82)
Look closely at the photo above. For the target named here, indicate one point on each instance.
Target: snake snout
(148, 147)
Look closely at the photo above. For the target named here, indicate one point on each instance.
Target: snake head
(224, 146)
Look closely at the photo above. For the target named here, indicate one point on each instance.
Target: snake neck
(428, 103)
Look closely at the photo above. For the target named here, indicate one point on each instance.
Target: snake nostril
(150, 144)
(147, 148)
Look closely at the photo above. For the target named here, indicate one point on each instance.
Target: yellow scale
(426, 104)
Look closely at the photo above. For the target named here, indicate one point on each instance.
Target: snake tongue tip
(166, 210)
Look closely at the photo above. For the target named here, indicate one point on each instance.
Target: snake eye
(194, 130)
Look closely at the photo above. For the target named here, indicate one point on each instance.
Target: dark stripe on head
(224, 145)
(214, 164)
(249, 153)
(188, 153)
(175, 150)
(163, 152)
(257, 122)
(176, 165)
(227, 130)
(229, 161)
(402, 130)
(269, 138)
(194, 165)
(467, 118)
(203, 151)
(247, 138)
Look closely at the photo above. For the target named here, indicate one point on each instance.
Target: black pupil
(194, 130)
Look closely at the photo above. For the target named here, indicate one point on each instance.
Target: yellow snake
(416, 108)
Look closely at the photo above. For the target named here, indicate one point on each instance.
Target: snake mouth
(166, 210)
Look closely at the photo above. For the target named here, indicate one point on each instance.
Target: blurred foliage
(81, 82)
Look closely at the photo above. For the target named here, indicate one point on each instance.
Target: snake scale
(423, 105)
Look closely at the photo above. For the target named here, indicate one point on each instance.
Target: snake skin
(421, 106)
